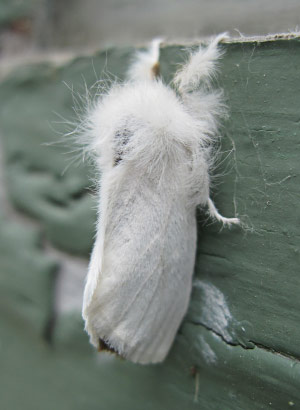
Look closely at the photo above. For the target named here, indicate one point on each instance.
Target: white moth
(153, 147)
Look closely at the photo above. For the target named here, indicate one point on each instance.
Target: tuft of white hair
(201, 66)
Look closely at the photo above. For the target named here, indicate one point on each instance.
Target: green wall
(239, 345)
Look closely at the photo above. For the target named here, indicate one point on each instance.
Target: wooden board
(239, 346)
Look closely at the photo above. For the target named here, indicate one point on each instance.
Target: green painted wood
(12, 10)
(41, 179)
(238, 347)
(258, 271)
(70, 376)
(27, 278)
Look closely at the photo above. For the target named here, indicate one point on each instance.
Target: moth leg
(214, 213)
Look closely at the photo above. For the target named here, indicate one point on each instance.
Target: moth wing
(140, 291)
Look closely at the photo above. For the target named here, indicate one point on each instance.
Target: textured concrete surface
(238, 347)
(136, 21)
(96, 23)
(46, 24)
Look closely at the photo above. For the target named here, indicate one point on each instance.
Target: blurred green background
(238, 347)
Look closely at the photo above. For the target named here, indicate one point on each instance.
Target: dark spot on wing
(121, 140)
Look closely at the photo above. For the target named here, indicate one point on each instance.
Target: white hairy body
(153, 149)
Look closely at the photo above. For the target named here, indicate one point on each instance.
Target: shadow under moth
(153, 146)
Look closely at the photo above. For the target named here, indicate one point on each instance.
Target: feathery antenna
(146, 64)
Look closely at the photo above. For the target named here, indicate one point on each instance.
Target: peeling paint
(207, 352)
(215, 313)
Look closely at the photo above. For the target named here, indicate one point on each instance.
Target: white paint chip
(215, 313)
(207, 352)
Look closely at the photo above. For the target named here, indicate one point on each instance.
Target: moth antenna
(146, 64)
(201, 66)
